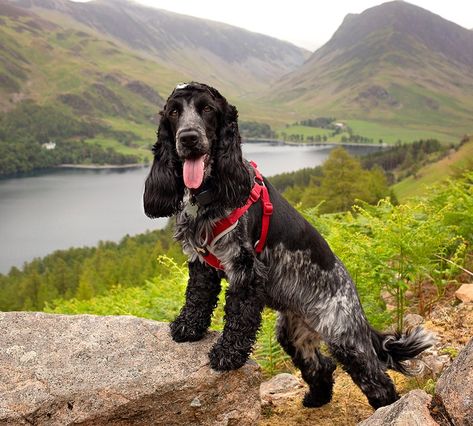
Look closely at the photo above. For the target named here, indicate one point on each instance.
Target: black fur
(164, 187)
(296, 274)
(201, 299)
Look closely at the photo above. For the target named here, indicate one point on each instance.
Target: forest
(25, 129)
(322, 122)
(86, 272)
(255, 130)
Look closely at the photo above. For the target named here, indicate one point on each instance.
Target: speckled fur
(297, 273)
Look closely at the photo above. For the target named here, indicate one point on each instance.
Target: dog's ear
(164, 187)
(233, 178)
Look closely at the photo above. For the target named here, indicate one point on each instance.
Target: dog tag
(191, 209)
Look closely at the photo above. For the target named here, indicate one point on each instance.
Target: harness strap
(225, 225)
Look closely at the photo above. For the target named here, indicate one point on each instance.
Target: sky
(306, 23)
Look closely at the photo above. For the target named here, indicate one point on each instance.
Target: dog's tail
(395, 348)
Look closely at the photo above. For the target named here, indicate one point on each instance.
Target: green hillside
(452, 164)
(107, 87)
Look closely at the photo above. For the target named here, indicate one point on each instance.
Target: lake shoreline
(101, 166)
(328, 144)
(81, 205)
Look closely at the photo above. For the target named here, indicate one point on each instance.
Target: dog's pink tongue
(193, 172)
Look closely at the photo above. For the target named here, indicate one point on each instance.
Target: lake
(63, 208)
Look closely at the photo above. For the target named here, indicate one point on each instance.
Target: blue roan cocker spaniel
(222, 218)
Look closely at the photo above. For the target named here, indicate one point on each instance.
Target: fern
(268, 353)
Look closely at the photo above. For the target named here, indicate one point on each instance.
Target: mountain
(115, 58)
(396, 63)
(220, 54)
(98, 72)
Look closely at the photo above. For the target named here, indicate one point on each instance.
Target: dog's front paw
(224, 358)
(182, 332)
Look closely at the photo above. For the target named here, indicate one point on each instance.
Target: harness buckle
(254, 194)
(258, 180)
(202, 251)
(267, 209)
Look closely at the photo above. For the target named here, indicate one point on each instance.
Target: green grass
(433, 173)
(146, 131)
(141, 152)
(391, 133)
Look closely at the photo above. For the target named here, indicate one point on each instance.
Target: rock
(280, 383)
(454, 390)
(433, 364)
(279, 388)
(465, 293)
(412, 321)
(122, 370)
(411, 410)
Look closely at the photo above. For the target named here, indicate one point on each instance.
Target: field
(392, 134)
(387, 133)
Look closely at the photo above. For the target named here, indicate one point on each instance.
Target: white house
(49, 145)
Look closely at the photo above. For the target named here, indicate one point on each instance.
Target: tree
(343, 181)
(85, 291)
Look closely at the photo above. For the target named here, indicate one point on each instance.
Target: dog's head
(198, 142)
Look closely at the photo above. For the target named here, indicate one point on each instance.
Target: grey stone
(411, 410)
(121, 370)
(280, 383)
(433, 364)
(413, 321)
(279, 388)
(454, 388)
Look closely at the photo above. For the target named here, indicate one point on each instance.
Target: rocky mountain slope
(395, 62)
(226, 56)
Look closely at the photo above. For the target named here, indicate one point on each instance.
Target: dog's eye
(207, 108)
(173, 113)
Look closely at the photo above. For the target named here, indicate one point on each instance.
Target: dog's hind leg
(361, 362)
(302, 344)
(335, 312)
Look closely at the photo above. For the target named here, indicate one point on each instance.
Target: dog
(270, 255)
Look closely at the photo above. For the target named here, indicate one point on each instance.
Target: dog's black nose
(189, 138)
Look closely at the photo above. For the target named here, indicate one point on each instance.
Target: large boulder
(411, 410)
(120, 370)
(454, 390)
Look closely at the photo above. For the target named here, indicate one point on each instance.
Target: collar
(203, 196)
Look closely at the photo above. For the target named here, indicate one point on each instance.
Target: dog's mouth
(193, 171)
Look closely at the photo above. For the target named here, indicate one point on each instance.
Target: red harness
(222, 227)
